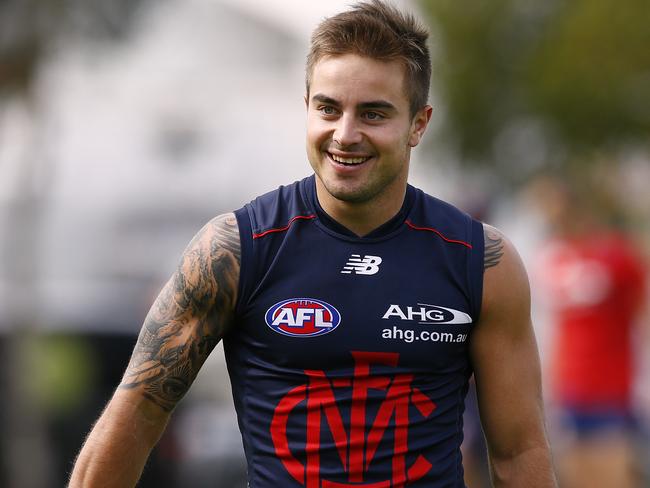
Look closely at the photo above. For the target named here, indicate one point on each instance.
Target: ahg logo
(368, 265)
(427, 314)
(356, 448)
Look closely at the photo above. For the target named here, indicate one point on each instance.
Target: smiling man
(354, 308)
(360, 132)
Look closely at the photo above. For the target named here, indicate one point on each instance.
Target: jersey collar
(386, 228)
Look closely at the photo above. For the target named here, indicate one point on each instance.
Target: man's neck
(361, 218)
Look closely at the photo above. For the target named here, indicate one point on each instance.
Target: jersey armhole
(247, 256)
(475, 269)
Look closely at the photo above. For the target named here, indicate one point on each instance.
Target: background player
(592, 279)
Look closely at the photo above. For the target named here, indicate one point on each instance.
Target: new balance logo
(367, 265)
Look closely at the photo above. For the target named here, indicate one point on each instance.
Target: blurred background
(126, 125)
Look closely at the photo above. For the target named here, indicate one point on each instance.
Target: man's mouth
(348, 161)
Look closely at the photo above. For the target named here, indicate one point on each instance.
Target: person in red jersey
(593, 281)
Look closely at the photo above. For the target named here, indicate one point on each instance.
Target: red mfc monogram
(356, 441)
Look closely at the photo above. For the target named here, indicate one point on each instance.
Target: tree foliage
(574, 72)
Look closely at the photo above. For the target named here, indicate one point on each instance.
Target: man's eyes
(327, 110)
(370, 115)
(373, 116)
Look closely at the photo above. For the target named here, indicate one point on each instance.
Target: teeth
(339, 159)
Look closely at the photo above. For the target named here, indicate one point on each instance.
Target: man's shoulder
(442, 215)
(278, 208)
(220, 233)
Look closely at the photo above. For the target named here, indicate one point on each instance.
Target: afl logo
(302, 317)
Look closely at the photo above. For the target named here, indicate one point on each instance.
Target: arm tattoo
(493, 248)
(189, 317)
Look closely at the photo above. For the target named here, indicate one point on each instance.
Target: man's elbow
(531, 467)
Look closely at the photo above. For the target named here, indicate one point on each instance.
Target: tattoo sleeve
(493, 247)
(189, 317)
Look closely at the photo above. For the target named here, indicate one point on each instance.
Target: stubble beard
(361, 192)
(358, 192)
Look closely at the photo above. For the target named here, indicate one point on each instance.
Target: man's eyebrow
(381, 104)
(373, 104)
(319, 97)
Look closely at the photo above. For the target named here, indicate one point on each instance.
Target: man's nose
(347, 131)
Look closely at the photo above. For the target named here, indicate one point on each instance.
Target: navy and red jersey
(349, 355)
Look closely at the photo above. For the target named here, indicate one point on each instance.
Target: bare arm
(507, 371)
(185, 322)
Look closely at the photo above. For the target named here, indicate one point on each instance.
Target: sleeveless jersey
(349, 355)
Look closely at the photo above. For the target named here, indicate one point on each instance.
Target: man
(348, 302)
(592, 277)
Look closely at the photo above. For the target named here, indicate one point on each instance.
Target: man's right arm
(186, 321)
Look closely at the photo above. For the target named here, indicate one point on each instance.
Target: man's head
(378, 31)
(367, 86)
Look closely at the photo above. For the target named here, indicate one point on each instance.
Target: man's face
(359, 129)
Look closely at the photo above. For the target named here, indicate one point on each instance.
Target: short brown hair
(379, 31)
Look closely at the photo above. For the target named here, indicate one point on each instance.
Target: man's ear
(419, 125)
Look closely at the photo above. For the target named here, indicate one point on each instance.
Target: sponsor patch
(302, 317)
(427, 314)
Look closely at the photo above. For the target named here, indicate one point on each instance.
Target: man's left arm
(507, 372)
